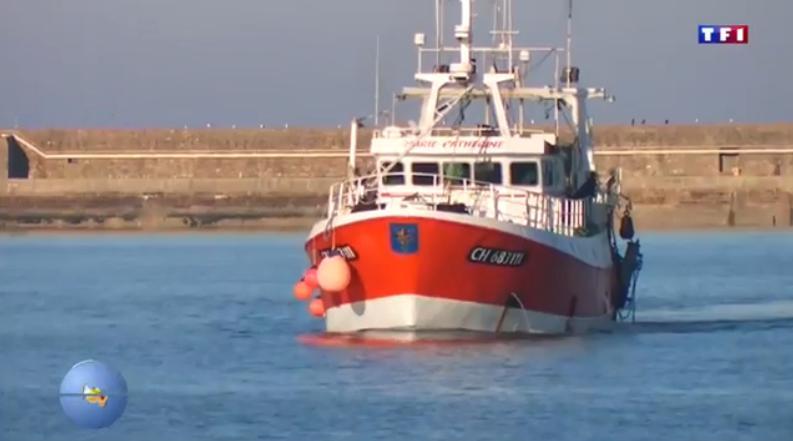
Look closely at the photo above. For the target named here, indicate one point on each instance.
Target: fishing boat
(472, 219)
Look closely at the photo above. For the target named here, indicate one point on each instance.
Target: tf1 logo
(723, 34)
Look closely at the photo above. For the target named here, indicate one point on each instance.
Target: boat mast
(438, 30)
(459, 73)
(464, 35)
(377, 85)
(569, 48)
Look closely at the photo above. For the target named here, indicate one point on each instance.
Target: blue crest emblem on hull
(404, 238)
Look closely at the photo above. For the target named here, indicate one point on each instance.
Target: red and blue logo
(723, 34)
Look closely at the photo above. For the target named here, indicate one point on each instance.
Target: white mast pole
(495, 23)
(353, 148)
(569, 49)
(438, 32)
(441, 24)
(509, 29)
(377, 85)
(556, 101)
(465, 44)
(504, 22)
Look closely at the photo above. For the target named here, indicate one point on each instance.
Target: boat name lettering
(495, 256)
(345, 251)
(455, 143)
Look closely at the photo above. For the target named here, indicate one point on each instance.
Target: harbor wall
(678, 177)
(637, 164)
(3, 164)
(88, 140)
(245, 141)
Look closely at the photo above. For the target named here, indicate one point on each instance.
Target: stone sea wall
(297, 138)
(677, 176)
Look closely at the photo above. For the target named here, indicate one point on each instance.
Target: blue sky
(170, 63)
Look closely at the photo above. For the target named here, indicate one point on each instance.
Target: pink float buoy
(333, 274)
(310, 277)
(316, 308)
(302, 291)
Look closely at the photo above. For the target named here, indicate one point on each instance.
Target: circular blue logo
(93, 394)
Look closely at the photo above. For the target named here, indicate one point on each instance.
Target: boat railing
(482, 132)
(545, 212)
(531, 208)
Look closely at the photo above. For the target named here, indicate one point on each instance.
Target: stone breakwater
(677, 176)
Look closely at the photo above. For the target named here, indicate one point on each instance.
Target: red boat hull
(452, 272)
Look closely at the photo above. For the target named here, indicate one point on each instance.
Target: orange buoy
(333, 274)
(310, 277)
(316, 308)
(302, 291)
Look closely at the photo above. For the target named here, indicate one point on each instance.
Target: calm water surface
(206, 332)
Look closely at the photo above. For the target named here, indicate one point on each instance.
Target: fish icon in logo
(94, 395)
(405, 238)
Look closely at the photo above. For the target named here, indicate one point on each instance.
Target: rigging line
(329, 231)
(570, 124)
(464, 104)
(537, 64)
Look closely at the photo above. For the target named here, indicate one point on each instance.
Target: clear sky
(161, 63)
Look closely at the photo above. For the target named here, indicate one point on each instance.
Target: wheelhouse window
(488, 172)
(393, 175)
(524, 173)
(456, 173)
(425, 173)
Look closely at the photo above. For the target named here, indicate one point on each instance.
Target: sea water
(206, 332)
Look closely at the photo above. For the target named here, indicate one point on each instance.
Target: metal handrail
(534, 209)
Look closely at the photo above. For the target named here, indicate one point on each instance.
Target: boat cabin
(408, 164)
(409, 175)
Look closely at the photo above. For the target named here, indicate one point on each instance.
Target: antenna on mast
(462, 32)
(438, 30)
(568, 71)
(377, 85)
(570, 33)
(503, 23)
